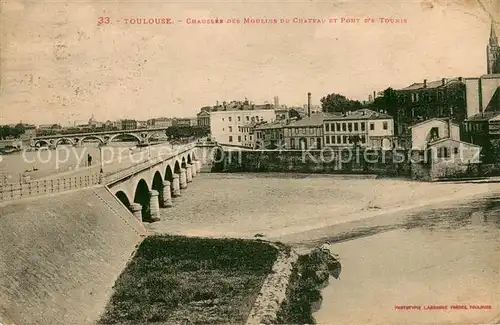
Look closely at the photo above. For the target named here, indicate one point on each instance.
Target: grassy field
(180, 280)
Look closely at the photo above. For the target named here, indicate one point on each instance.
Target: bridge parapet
(16, 191)
(124, 173)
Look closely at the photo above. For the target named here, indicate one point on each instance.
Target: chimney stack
(425, 83)
(444, 81)
(374, 95)
(309, 104)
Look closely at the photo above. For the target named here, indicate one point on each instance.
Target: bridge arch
(39, 143)
(141, 196)
(59, 141)
(101, 141)
(189, 161)
(169, 175)
(177, 167)
(123, 198)
(183, 163)
(115, 136)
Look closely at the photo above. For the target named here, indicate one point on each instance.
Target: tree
(388, 102)
(338, 103)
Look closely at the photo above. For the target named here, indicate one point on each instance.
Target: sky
(58, 65)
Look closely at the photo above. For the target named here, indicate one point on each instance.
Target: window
(245, 138)
(363, 139)
(296, 130)
(349, 127)
(222, 129)
(239, 138)
(344, 127)
(230, 138)
(248, 118)
(303, 130)
(327, 127)
(292, 143)
(311, 131)
(356, 126)
(230, 118)
(327, 139)
(455, 150)
(333, 139)
(239, 128)
(385, 125)
(363, 126)
(250, 138)
(372, 126)
(339, 139)
(338, 127)
(443, 152)
(312, 142)
(344, 139)
(239, 119)
(230, 129)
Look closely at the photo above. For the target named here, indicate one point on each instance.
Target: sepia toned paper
(411, 252)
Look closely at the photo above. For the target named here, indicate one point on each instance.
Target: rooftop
(360, 114)
(433, 84)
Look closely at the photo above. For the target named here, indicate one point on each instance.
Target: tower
(493, 52)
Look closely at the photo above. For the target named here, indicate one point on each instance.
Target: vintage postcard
(249, 162)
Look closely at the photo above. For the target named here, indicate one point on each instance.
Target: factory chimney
(309, 104)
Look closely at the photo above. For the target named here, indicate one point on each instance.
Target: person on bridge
(89, 160)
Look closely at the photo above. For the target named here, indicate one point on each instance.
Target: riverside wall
(61, 255)
(389, 163)
(381, 163)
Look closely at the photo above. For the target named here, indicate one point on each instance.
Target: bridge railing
(42, 187)
(115, 176)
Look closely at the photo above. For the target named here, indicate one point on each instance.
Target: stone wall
(273, 291)
(384, 163)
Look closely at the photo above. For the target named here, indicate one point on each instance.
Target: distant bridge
(105, 137)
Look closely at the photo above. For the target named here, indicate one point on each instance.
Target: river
(45, 162)
(400, 242)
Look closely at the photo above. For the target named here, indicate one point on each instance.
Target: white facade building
(432, 130)
(227, 126)
(372, 129)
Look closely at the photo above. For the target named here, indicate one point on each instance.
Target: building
(270, 135)
(117, 125)
(276, 102)
(128, 124)
(248, 134)
(29, 131)
(203, 118)
(185, 121)
(363, 127)
(160, 122)
(142, 124)
(482, 126)
(281, 114)
(304, 134)
(418, 102)
(433, 130)
(493, 52)
(226, 125)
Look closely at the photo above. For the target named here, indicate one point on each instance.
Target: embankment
(61, 254)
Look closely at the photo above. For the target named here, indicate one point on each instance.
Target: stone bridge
(141, 135)
(147, 188)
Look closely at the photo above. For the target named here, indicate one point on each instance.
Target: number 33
(104, 20)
